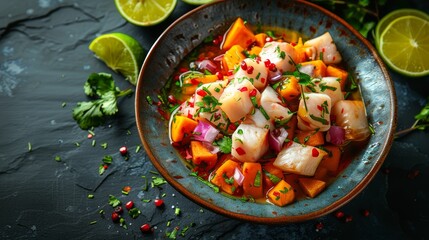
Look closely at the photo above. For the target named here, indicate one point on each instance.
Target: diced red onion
(336, 135)
(205, 132)
(218, 58)
(212, 148)
(276, 138)
(238, 176)
(275, 76)
(207, 65)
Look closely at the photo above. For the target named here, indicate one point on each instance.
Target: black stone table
(44, 62)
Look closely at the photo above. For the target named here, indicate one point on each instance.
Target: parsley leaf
(421, 123)
(101, 87)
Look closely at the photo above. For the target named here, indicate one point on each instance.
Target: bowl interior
(310, 20)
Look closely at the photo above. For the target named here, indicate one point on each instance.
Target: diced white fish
(272, 104)
(249, 142)
(314, 112)
(351, 115)
(236, 99)
(255, 71)
(299, 159)
(218, 118)
(331, 87)
(187, 108)
(280, 54)
(325, 45)
(259, 119)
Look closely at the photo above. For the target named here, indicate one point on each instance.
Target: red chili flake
(333, 58)
(253, 93)
(183, 69)
(323, 49)
(267, 62)
(159, 202)
(172, 99)
(269, 39)
(219, 75)
(201, 92)
(105, 166)
(240, 151)
(293, 44)
(123, 150)
(90, 136)
(258, 59)
(250, 70)
(319, 226)
(146, 228)
(365, 212)
(348, 219)
(189, 114)
(339, 214)
(288, 144)
(176, 78)
(277, 194)
(243, 65)
(129, 205)
(115, 217)
(342, 110)
(194, 81)
(243, 89)
(263, 80)
(319, 108)
(315, 152)
(230, 72)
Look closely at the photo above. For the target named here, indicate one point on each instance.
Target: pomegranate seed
(240, 151)
(263, 80)
(220, 38)
(216, 41)
(159, 202)
(115, 217)
(123, 150)
(146, 228)
(365, 212)
(230, 72)
(172, 99)
(201, 92)
(176, 78)
(267, 62)
(243, 65)
(315, 152)
(219, 75)
(339, 214)
(129, 205)
(272, 67)
(269, 39)
(105, 166)
(348, 219)
(90, 136)
(243, 89)
(250, 70)
(119, 210)
(319, 226)
(232, 127)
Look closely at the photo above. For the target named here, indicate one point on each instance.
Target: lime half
(386, 20)
(404, 46)
(145, 12)
(121, 52)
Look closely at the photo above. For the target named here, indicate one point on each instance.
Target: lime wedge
(197, 2)
(121, 52)
(386, 20)
(404, 46)
(145, 12)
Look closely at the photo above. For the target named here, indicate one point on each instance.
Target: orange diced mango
(282, 194)
(332, 160)
(238, 34)
(191, 84)
(311, 138)
(319, 68)
(224, 176)
(233, 57)
(312, 187)
(272, 175)
(182, 127)
(201, 156)
(252, 183)
(289, 88)
(332, 71)
(261, 39)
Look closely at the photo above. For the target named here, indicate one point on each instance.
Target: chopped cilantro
(113, 201)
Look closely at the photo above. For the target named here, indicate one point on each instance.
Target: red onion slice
(276, 138)
(218, 58)
(336, 135)
(207, 65)
(238, 176)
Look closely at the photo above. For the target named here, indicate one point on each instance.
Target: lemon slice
(145, 12)
(404, 46)
(384, 22)
(197, 2)
(121, 52)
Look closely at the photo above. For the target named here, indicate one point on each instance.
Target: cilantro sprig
(101, 88)
(421, 123)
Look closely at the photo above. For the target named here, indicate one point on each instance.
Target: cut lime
(197, 2)
(404, 46)
(121, 52)
(145, 12)
(382, 24)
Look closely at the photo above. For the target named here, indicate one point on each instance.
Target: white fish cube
(249, 142)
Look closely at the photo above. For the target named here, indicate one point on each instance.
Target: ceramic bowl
(359, 56)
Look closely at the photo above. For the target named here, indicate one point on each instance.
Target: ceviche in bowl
(271, 112)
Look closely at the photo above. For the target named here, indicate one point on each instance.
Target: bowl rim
(385, 147)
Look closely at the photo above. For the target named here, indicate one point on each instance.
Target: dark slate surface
(44, 61)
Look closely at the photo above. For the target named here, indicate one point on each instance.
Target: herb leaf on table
(101, 87)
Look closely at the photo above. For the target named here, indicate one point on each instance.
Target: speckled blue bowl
(358, 54)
